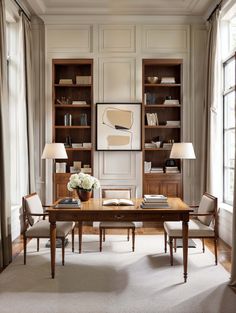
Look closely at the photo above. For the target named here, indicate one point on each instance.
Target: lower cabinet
(169, 185)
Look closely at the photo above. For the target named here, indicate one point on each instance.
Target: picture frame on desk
(118, 126)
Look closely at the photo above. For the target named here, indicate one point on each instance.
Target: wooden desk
(93, 210)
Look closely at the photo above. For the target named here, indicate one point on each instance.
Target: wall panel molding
(69, 38)
(117, 38)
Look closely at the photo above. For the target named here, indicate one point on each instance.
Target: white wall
(118, 44)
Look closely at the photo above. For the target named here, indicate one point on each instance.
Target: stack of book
(69, 203)
(172, 123)
(167, 145)
(157, 170)
(172, 169)
(154, 202)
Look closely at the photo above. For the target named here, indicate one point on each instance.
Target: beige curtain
(5, 207)
(210, 161)
(27, 94)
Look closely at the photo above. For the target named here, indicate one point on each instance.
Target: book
(68, 203)
(117, 202)
(155, 206)
(155, 197)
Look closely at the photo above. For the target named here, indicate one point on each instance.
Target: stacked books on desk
(154, 202)
(69, 203)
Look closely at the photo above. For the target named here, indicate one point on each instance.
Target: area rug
(116, 280)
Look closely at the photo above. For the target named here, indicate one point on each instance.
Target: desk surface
(95, 205)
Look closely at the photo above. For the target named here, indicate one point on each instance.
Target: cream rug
(116, 280)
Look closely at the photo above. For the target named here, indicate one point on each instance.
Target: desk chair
(202, 224)
(117, 194)
(37, 226)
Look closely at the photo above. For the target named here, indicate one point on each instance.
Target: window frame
(226, 92)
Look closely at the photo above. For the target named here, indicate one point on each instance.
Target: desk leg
(185, 249)
(53, 247)
(80, 235)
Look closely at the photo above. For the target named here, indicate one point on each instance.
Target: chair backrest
(208, 204)
(32, 205)
(116, 193)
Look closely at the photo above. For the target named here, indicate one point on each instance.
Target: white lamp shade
(54, 151)
(182, 150)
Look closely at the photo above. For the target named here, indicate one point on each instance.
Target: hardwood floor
(224, 251)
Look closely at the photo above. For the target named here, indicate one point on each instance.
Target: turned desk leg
(185, 249)
(53, 246)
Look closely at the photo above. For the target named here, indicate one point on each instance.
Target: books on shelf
(117, 202)
(69, 203)
(87, 144)
(171, 101)
(167, 80)
(173, 123)
(157, 170)
(150, 145)
(167, 145)
(172, 169)
(65, 81)
(83, 80)
(79, 102)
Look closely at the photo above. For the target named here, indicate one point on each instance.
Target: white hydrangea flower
(83, 181)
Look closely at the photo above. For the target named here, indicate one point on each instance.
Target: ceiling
(122, 7)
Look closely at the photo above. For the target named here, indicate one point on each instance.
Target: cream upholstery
(116, 194)
(206, 205)
(36, 226)
(201, 226)
(195, 229)
(42, 229)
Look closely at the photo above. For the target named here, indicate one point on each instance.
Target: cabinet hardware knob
(119, 217)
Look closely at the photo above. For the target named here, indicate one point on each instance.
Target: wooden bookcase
(154, 96)
(72, 80)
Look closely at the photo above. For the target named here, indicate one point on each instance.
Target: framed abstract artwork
(118, 126)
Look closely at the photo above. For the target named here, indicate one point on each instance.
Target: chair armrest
(193, 206)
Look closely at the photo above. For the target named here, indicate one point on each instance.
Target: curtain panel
(5, 205)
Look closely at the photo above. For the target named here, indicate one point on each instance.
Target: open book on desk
(117, 202)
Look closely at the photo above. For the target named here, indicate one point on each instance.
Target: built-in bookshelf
(72, 96)
(162, 107)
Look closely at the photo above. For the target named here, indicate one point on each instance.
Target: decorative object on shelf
(77, 165)
(87, 145)
(68, 142)
(170, 163)
(83, 119)
(67, 119)
(152, 79)
(152, 119)
(83, 184)
(118, 126)
(79, 102)
(149, 98)
(60, 167)
(147, 166)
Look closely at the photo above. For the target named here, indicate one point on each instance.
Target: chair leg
(63, 250)
(100, 239)
(37, 244)
(215, 244)
(104, 234)
(133, 239)
(171, 250)
(73, 239)
(128, 234)
(203, 245)
(175, 244)
(25, 245)
(165, 241)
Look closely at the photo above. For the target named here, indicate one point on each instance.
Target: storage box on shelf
(162, 98)
(72, 96)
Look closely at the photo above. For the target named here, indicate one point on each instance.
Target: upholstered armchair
(36, 224)
(202, 224)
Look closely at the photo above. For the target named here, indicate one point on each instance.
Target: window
(229, 128)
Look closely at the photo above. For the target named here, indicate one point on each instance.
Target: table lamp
(182, 150)
(54, 151)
